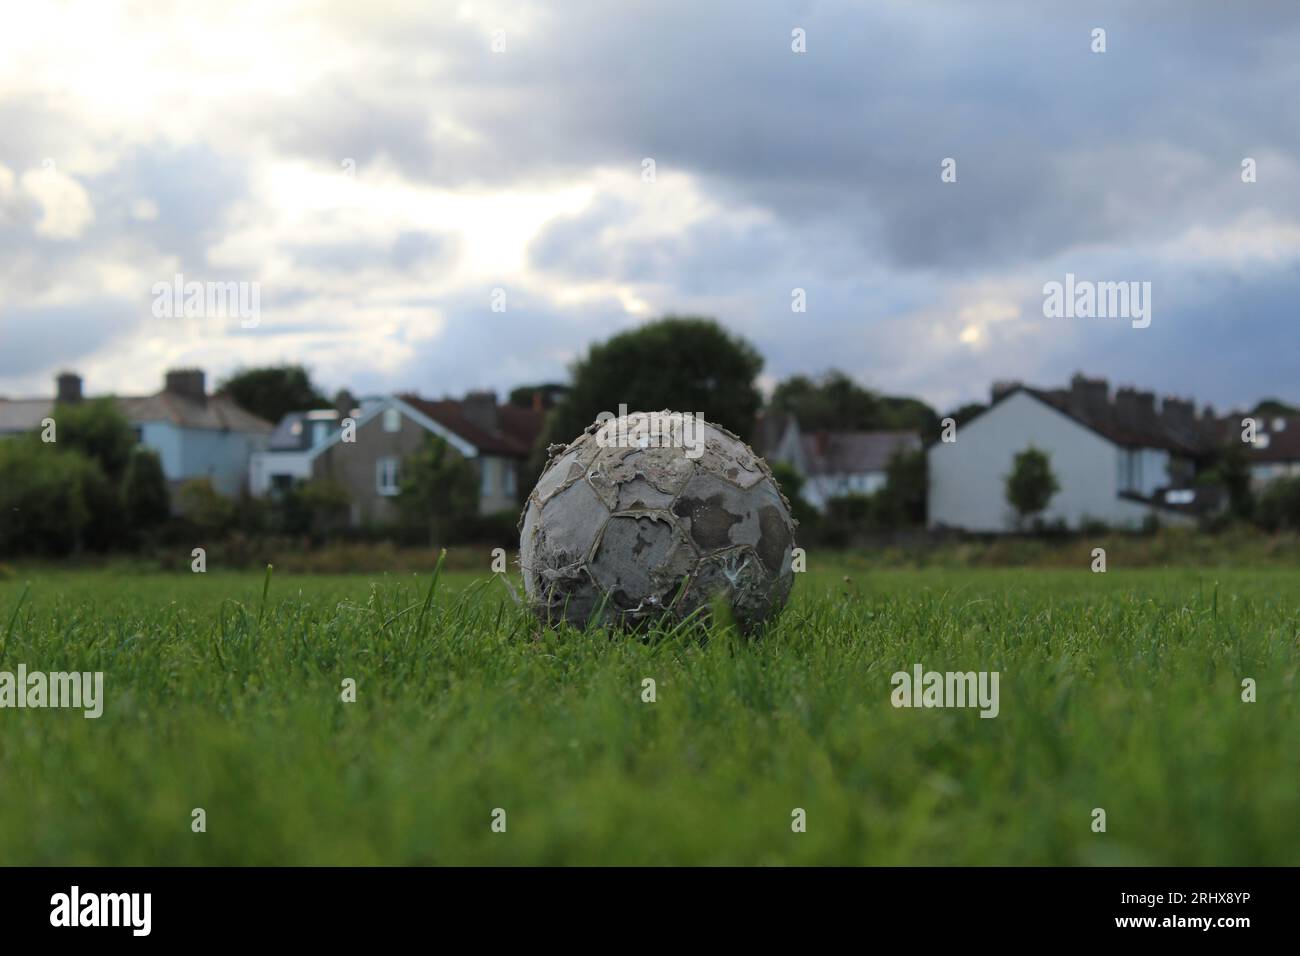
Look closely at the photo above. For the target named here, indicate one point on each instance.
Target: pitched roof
(1271, 443)
(839, 453)
(23, 414)
(517, 428)
(218, 413)
(1128, 431)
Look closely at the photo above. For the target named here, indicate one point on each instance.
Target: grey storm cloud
(1055, 145)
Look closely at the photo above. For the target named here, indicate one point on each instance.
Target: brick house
(496, 439)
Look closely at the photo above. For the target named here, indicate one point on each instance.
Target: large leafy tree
(687, 364)
(1031, 483)
(438, 488)
(274, 391)
(835, 402)
(98, 430)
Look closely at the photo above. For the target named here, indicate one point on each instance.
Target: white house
(1275, 453)
(1117, 463)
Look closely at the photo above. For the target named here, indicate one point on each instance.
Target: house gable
(967, 477)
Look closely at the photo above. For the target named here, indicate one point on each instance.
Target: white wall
(967, 487)
(820, 489)
(265, 465)
(1261, 474)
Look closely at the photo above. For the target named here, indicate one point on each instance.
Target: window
(487, 468)
(392, 420)
(386, 476)
(510, 478)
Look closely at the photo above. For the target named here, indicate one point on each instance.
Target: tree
(1031, 484)
(97, 429)
(438, 486)
(272, 392)
(834, 402)
(686, 364)
(145, 501)
(964, 413)
(551, 393)
(1269, 407)
(902, 501)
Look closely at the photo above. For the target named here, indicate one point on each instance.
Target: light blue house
(196, 435)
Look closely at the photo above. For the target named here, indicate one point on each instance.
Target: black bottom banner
(340, 905)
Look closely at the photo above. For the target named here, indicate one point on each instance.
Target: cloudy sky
(379, 169)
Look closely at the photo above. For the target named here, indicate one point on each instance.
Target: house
(367, 460)
(1275, 453)
(1119, 461)
(833, 464)
(196, 435)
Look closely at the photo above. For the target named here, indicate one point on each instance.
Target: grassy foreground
(1119, 691)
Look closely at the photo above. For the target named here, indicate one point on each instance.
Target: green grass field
(1119, 690)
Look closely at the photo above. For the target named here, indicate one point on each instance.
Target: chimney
(344, 403)
(1146, 409)
(1002, 387)
(1090, 398)
(69, 388)
(1178, 414)
(187, 383)
(1126, 407)
(539, 401)
(481, 410)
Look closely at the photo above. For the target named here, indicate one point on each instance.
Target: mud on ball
(628, 534)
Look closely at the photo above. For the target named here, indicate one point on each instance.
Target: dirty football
(656, 514)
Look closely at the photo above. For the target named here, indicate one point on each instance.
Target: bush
(791, 484)
(499, 529)
(1277, 507)
(145, 501)
(45, 497)
(204, 508)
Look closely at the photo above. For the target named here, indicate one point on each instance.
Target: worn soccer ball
(637, 519)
